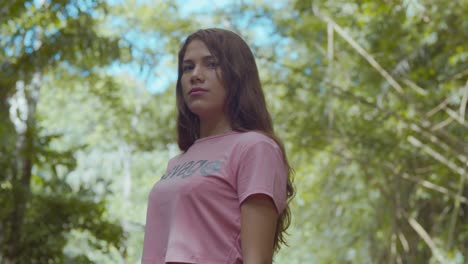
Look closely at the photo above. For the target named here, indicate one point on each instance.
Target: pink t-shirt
(194, 210)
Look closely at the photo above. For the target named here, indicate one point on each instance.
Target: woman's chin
(207, 113)
(203, 110)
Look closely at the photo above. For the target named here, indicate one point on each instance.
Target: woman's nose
(197, 74)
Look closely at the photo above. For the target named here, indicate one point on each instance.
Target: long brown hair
(245, 103)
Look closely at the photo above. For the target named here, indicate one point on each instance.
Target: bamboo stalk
(464, 101)
(457, 117)
(393, 83)
(427, 238)
(436, 188)
(436, 155)
(437, 108)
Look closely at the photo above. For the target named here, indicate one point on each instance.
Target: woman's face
(202, 88)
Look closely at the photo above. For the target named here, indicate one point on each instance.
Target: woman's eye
(212, 64)
(187, 68)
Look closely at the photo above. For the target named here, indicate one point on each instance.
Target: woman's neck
(214, 127)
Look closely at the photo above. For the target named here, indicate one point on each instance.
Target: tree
(57, 58)
(377, 94)
(40, 38)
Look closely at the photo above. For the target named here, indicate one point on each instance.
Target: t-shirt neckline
(216, 136)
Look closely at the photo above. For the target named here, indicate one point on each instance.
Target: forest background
(370, 98)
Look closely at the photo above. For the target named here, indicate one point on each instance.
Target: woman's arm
(258, 227)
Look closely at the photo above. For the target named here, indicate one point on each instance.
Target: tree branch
(415, 142)
(393, 83)
(437, 108)
(464, 102)
(435, 187)
(456, 117)
(425, 236)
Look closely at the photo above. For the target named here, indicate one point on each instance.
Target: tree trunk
(22, 170)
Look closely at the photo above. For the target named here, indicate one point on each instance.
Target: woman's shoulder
(250, 138)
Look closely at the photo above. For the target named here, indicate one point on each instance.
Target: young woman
(224, 199)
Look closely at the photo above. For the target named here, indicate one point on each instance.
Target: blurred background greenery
(370, 98)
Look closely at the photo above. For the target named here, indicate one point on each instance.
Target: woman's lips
(197, 91)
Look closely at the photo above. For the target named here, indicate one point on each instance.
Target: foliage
(371, 108)
(64, 109)
(369, 97)
(42, 40)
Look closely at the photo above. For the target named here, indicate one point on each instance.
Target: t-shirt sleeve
(262, 171)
